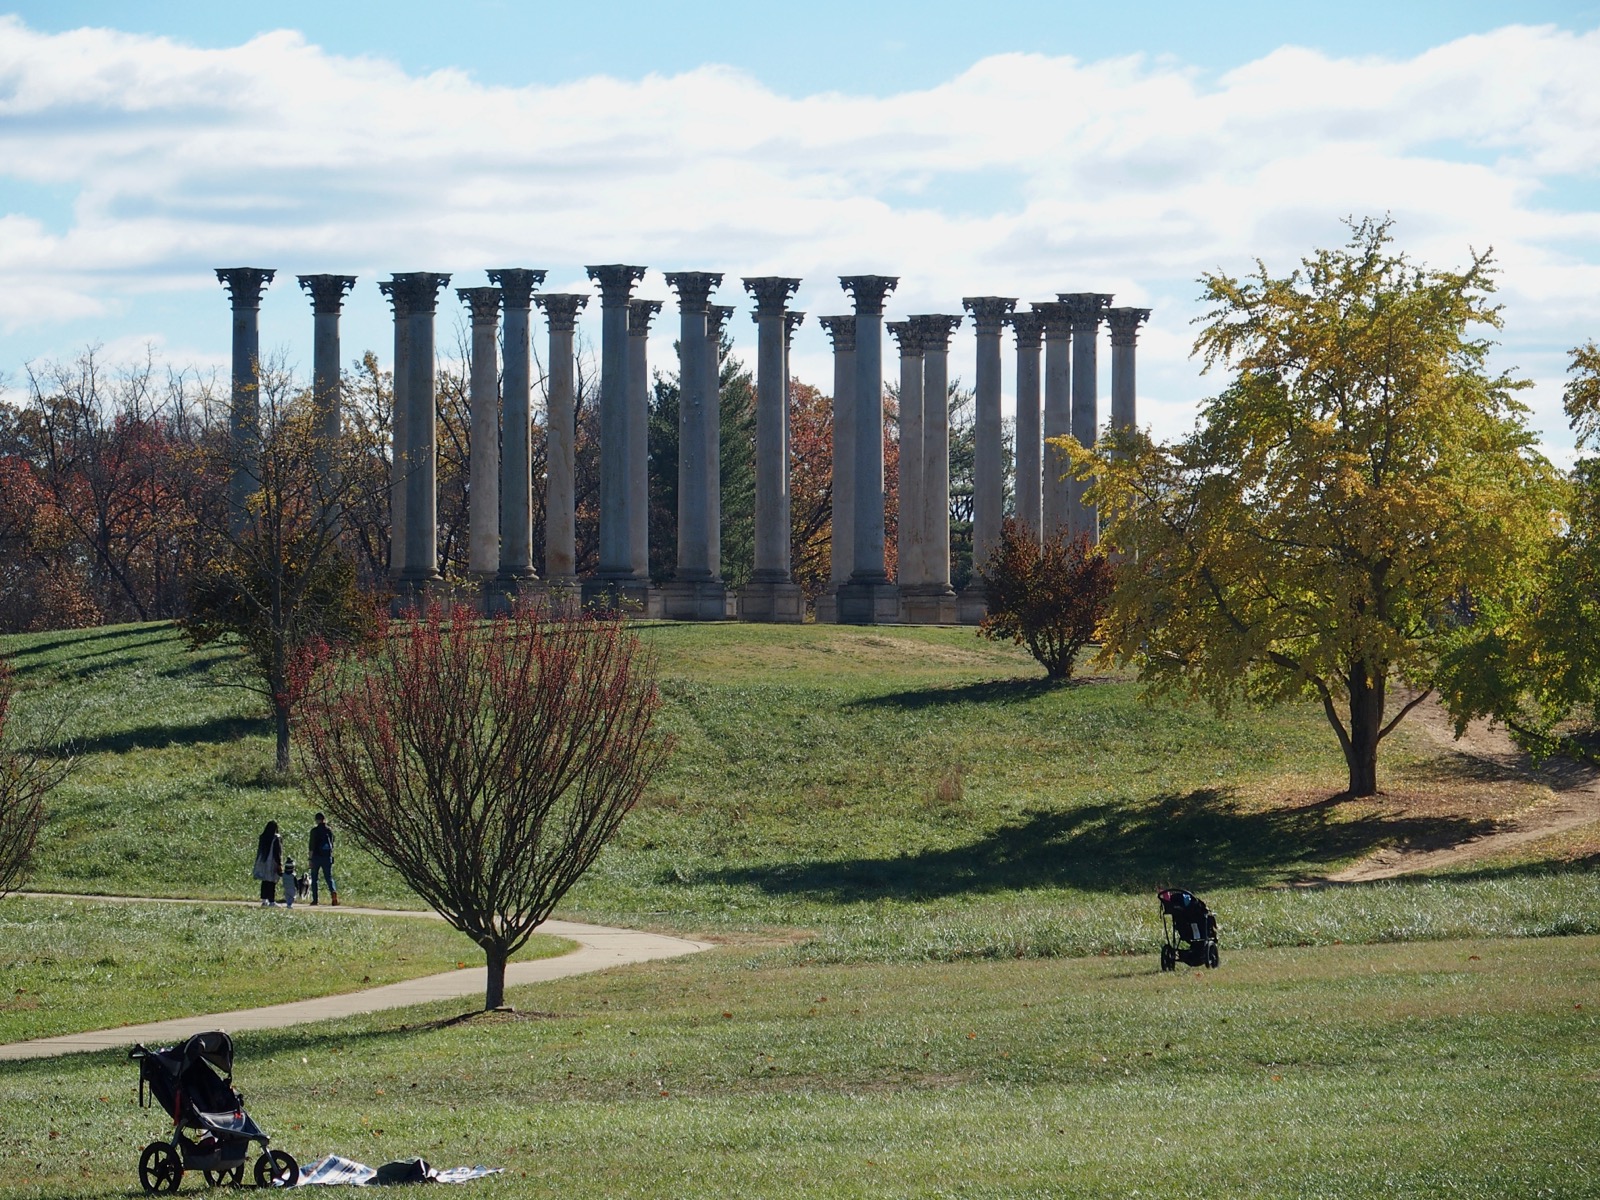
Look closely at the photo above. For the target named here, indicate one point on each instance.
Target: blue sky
(1023, 149)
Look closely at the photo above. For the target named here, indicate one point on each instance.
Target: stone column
(1028, 328)
(399, 409)
(421, 481)
(841, 541)
(560, 535)
(483, 485)
(640, 314)
(327, 294)
(934, 601)
(1056, 325)
(717, 318)
(615, 583)
(989, 314)
(245, 285)
(514, 572)
(772, 594)
(695, 592)
(1087, 310)
(869, 598)
(1124, 324)
(909, 536)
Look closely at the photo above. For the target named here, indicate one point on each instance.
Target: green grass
(70, 966)
(1417, 1070)
(902, 794)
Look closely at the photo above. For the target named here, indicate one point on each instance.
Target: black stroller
(1190, 930)
(183, 1082)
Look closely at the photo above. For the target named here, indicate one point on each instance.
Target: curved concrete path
(599, 947)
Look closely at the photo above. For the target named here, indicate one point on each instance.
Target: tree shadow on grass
(160, 737)
(1200, 839)
(995, 691)
(68, 669)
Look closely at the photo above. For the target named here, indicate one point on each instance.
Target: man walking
(322, 859)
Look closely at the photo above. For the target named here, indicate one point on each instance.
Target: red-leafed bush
(1049, 597)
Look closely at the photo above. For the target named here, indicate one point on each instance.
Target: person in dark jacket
(269, 864)
(322, 859)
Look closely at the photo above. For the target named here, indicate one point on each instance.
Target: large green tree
(1361, 489)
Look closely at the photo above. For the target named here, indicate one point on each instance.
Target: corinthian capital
(772, 293)
(1055, 318)
(907, 336)
(1087, 309)
(1027, 326)
(792, 320)
(694, 288)
(327, 292)
(484, 303)
(1125, 324)
(516, 284)
(640, 313)
(419, 290)
(989, 312)
(717, 316)
(869, 291)
(616, 282)
(561, 309)
(245, 284)
(841, 329)
(935, 329)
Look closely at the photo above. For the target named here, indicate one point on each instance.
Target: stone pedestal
(771, 602)
(868, 604)
(972, 605)
(694, 600)
(928, 604)
(633, 598)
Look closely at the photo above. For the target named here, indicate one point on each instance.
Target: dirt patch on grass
(1483, 774)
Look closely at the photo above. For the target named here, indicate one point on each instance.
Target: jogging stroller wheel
(232, 1178)
(1213, 959)
(1169, 959)
(160, 1169)
(277, 1168)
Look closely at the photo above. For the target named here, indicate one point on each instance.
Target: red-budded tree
(29, 769)
(486, 762)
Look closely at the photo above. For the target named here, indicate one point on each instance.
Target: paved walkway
(599, 947)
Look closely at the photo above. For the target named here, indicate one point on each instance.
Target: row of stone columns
(501, 534)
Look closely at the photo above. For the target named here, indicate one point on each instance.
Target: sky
(1021, 150)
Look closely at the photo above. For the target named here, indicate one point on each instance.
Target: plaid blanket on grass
(331, 1170)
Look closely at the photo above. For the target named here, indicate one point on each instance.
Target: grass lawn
(70, 966)
(1447, 1068)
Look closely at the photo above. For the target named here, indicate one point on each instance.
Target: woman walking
(269, 864)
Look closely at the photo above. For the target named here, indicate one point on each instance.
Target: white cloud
(1024, 175)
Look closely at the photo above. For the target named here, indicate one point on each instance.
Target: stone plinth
(771, 602)
(868, 604)
(928, 604)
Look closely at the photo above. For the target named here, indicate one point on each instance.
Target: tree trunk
(1366, 727)
(494, 993)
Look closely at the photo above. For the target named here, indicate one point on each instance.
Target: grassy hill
(900, 794)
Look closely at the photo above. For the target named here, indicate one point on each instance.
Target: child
(288, 883)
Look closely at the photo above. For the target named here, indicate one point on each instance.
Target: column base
(502, 593)
(974, 605)
(772, 603)
(694, 600)
(868, 604)
(413, 596)
(630, 598)
(827, 609)
(928, 605)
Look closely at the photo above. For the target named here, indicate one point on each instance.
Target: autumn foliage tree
(1361, 488)
(1049, 597)
(486, 762)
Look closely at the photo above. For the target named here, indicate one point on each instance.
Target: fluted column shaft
(869, 292)
(617, 282)
(327, 294)
(772, 549)
(516, 425)
(717, 317)
(694, 483)
(936, 331)
(399, 424)
(1124, 324)
(1029, 429)
(483, 494)
(1088, 310)
(422, 489)
(640, 314)
(989, 314)
(560, 532)
(245, 285)
(1057, 327)
(842, 329)
(910, 536)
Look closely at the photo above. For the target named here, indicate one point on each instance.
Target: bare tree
(487, 762)
(29, 769)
